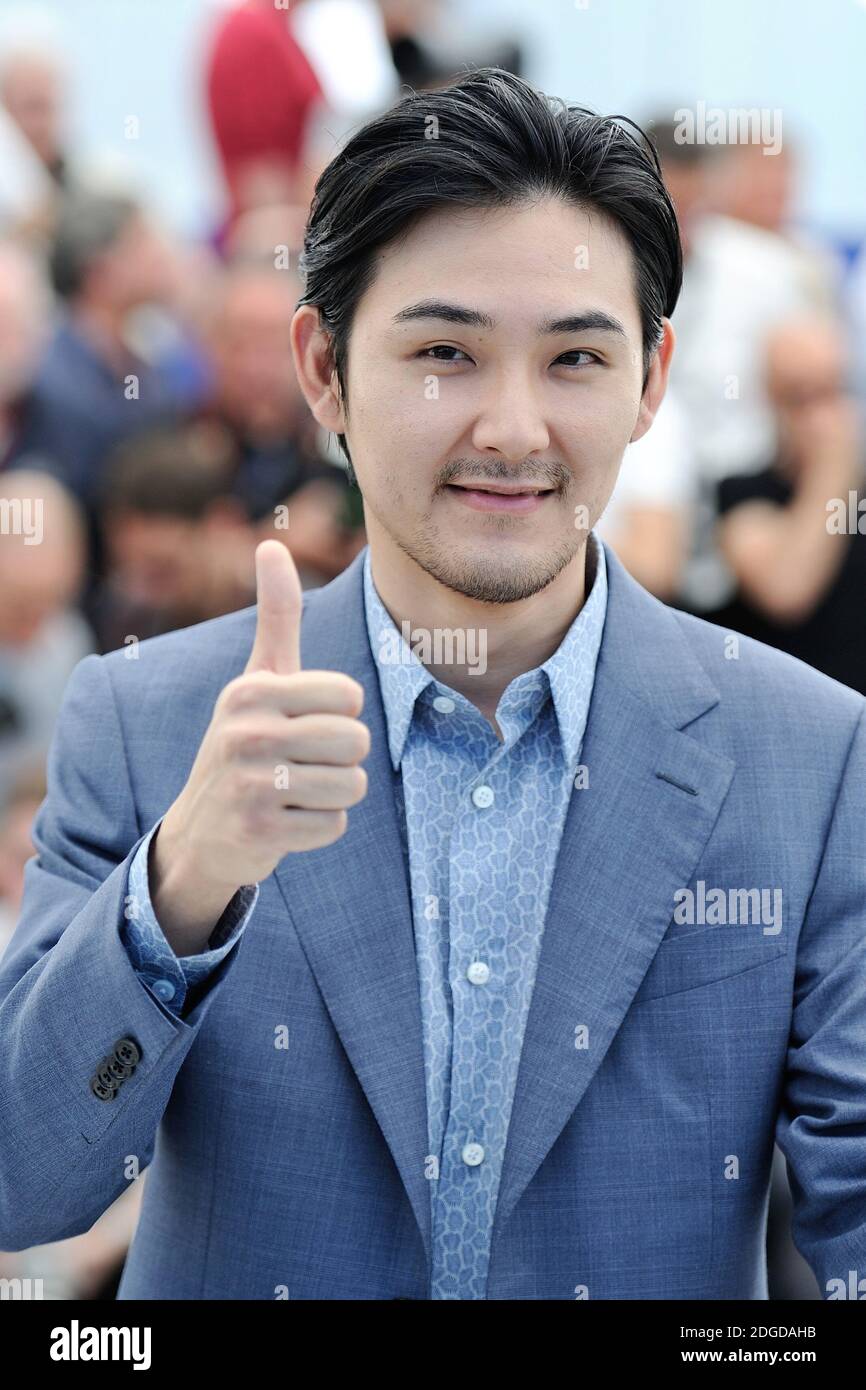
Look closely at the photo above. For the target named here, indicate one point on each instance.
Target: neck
(505, 639)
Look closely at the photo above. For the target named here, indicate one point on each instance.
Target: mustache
(553, 475)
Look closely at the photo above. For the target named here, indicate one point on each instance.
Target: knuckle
(363, 741)
(252, 743)
(359, 783)
(238, 695)
(353, 695)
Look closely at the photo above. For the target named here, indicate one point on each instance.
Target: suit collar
(402, 676)
(631, 838)
(643, 646)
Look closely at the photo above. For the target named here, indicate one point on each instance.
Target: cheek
(607, 419)
(392, 417)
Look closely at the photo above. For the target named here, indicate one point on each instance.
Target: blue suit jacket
(661, 1057)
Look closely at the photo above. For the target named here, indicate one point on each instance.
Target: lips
(508, 497)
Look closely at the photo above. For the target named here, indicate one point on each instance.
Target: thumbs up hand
(276, 771)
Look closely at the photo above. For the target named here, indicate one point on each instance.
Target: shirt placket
(479, 975)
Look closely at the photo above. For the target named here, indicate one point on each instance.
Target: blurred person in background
(42, 634)
(26, 192)
(287, 83)
(261, 92)
(258, 234)
(647, 520)
(178, 546)
(759, 189)
(801, 581)
(855, 322)
(347, 44)
(739, 281)
(25, 305)
(256, 399)
(33, 81)
(432, 40)
(21, 803)
(685, 169)
(364, 51)
(35, 161)
(93, 386)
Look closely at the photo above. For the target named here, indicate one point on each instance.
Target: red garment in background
(261, 89)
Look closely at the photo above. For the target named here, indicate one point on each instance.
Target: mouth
(500, 497)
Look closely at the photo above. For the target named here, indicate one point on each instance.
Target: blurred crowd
(152, 431)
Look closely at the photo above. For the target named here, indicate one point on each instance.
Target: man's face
(438, 407)
(806, 377)
(36, 583)
(140, 268)
(155, 560)
(33, 96)
(251, 348)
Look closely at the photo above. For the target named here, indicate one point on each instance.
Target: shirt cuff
(165, 974)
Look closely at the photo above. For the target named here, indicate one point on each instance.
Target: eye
(440, 348)
(578, 352)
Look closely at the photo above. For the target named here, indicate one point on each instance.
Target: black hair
(488, 140)
(178, 470)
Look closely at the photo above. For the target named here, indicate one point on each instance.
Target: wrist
(187, 903)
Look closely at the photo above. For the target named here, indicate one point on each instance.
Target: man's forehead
(549, 229)
(497, 260)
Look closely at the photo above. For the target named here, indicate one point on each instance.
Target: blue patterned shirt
(481, 821)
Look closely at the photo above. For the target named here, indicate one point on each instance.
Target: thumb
(277, 644)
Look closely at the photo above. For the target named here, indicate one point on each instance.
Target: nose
(510, 421)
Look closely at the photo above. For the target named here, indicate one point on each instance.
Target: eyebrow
(594, 320)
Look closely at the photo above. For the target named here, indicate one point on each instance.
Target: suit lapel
(351, 907)
(632, 837)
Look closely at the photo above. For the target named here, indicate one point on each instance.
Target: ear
(311, 350)
(657, 380)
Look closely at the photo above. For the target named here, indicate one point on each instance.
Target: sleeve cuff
(165, 974)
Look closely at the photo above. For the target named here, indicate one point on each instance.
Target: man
(261, 96)
(179, 547)
(33, 82)
(25, 306)
(469, 1022)
(93, 389)
(43, 635)
(739, 281)
(255, 398)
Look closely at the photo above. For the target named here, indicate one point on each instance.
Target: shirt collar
(569, 671)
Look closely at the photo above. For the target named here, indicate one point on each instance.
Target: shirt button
(443, 704)
(483, 796)
(473, 1154)
(164, 989)
(478, 973)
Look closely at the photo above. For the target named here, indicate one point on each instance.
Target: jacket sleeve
(85, 1047)
(169, 976)
(821, 1127)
